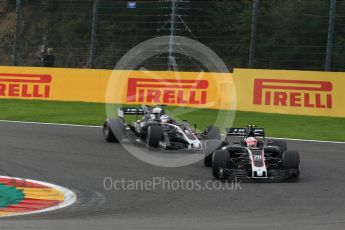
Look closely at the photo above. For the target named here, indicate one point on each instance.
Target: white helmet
(251, 142)
(156, 110)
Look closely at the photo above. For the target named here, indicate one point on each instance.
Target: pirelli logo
(167, 91)
(25, 85)
(294, 93)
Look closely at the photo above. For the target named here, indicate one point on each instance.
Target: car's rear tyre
(291, 161)
(113, 130)
(212, 133)
(154, 136)
(219, 161)
(210, 147)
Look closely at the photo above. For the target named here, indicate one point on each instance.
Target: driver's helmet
(158, 110)
(165, 119)
(251, 142)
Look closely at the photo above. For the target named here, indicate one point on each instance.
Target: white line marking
(43, 123)
(96, 126)
(302, 140)
(292, 139)
(69, 197)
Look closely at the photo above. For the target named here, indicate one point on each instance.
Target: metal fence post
(16, 33)
(253, 33)
(172, 61)
(94, 33)
(330, 35)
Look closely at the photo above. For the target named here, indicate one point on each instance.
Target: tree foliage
(290, 34)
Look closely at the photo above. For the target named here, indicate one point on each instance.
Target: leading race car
(155, 129)
(252, 157)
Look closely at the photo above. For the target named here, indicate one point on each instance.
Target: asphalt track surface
(79, 159)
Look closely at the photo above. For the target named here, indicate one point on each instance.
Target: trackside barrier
(271, 91)
(203, 90)
(291, 92)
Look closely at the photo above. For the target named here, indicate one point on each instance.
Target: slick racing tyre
(210, 147)
(291, 161)
(154, 136)
(113, 130)
(219, 161)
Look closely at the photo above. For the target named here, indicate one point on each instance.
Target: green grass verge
(276, 125)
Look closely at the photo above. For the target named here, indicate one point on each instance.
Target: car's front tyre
(210, 147)
(291, 161)
(154, 136)
(113, 130)
(219, 161)
(108, 134)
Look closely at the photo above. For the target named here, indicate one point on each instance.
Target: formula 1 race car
(155, 129)
(251, 157)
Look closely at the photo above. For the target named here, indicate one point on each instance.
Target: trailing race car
(155, 129)
(252, 157)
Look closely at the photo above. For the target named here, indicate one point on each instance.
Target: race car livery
(266, 160)
(154, 128)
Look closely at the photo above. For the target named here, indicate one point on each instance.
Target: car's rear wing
(144, 109)
(130, 111)
(257, 132)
